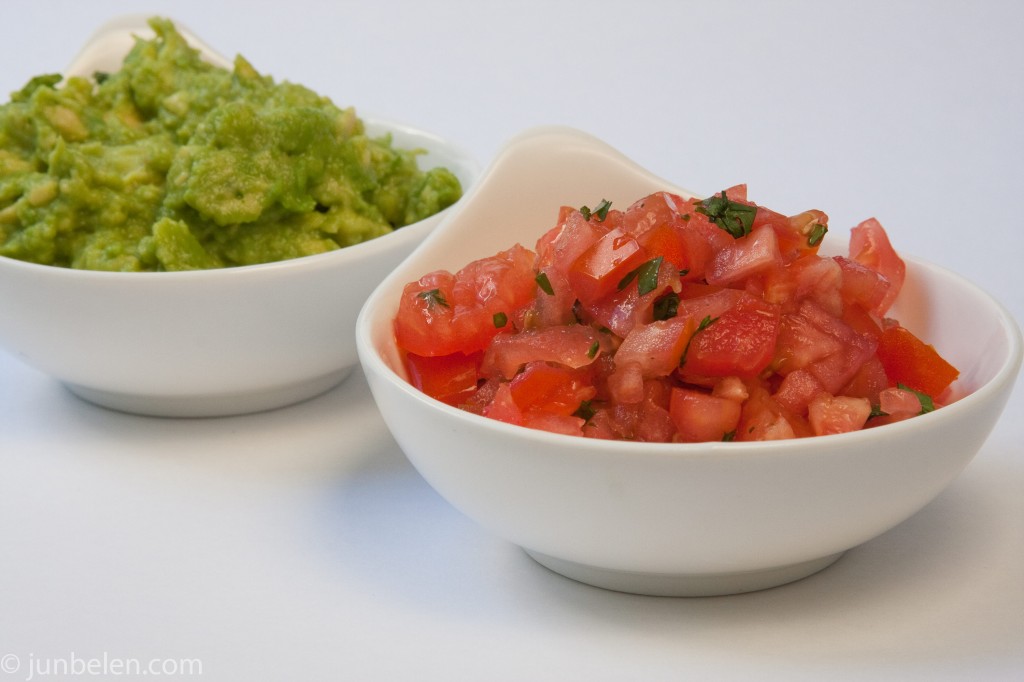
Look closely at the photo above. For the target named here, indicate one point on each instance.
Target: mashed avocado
(174, 164)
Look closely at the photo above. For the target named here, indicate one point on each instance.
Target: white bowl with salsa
(676, 518)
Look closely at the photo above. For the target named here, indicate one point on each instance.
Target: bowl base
(684, 585)
(210, 405)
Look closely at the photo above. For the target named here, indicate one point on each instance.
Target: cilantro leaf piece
(818, 232)
(646, 275)
(585, 411)
(434, 296)
(544, 283)
(735, 218)
(667, 306)
(500, 320)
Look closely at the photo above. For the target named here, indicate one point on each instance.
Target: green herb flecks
(544, 283)
(592, 351)
(729, 436)
(500, 320)
(646, 276)
(876, 411)
(601, 211)
(667, 306)
(434, 296)
(818, 232)
(735, 218)
(585, 411)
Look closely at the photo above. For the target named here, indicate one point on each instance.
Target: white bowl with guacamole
(182, 236)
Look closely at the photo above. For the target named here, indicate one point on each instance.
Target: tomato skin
(700, 417)
(441, 313)
(829, 414)
(870, 246)
(864, 286)
(656, 348)
(910, 361)
(740, 342)
(572, 346)
(552, 389)
(598, 271)
(445, 377)
(746, 256)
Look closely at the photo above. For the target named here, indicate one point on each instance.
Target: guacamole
(174, 164)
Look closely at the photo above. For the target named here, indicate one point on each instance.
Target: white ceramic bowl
(675, 519)
(211, 342)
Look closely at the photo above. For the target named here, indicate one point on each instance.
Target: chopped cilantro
(592, 351)
(667, 306)
(735, 218)
(601, 211)
(500, 320)
(433, 296)
(544, 283)
(585, 411)
(817, 234)
(646, 276)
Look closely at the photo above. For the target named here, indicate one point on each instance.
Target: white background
(300, 545)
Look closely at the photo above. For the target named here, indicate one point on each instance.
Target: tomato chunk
(702, 417)
(912, 362)
(740, 342)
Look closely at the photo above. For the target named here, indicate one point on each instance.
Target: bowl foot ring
(683, 585)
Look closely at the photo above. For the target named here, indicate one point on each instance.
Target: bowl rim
(373, 361)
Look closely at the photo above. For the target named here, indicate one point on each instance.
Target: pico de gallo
(675, 320)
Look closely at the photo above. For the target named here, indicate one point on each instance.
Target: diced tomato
(445, 377)
(654, 210)
(911, 362)
(797, 390)
(823, 344)
(701, 417)
(799, 235)
(870, 246)
(554, 423)
(503, 407)
(656, 348)
(805, 277)
(864, 286)
(626, 308)
(626, 383)
(553, 389)
(441, 313)
(600, 269)
(898, 402)
(572, 346)
(868, 382)
(739, 342)
(837, 414)
(764, 418)
(746, 256)
(656, 324)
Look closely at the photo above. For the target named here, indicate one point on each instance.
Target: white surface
(299, 544)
